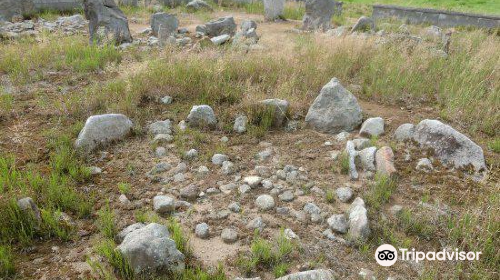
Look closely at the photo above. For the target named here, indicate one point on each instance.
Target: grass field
(474, 6)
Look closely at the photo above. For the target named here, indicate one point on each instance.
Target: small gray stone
(191, 154)
(252, 181)
(219, 40)
(234, 207)
(424, 164)
(344, 194)
(228, 168)
(229, 235)
(372, 127)
(244, 189)
(264, 202)
(257, 223)
(319, 274)
(163, 139)
(190, 192)
(121, 235)
(28, 206)
(227, 188)
(218, 159)
(202, 231)
(240, 124)
(366, 159)
(160, 127)
(286, 196)
(202, 116)
(163, 204)
(311, 208)
(160, 152)
(338, 223)
(167, 99)
(363, 24)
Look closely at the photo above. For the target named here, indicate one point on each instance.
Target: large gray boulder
(149, 249)
(202, 116)
(168, 23)
(197, 5)
(334, 110)
(11, 8)
(273, 9)
(318, 14)
(107, 23)
(318, 274)
(450, 146)
(101, 130)
(221, 26)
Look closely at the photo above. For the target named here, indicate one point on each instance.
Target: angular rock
(257, 223)
(384, 159)
(101, 130)
(366, 159)
(240, 124)
(150, 248)
(234, 207)
(338, 223)
(361, 143)
(106, 22)
(450, 146)
(221, 26)
(286, 196)
(351, 153)
(404, 132)
(168, 22)
(247, 25)
(201, 116)
(228, 168)
(318, 14)
(372, 127)
(344, 194)
(311, 208)
(273, 9)
(334, 110)
(252, 181)
(359, 228)
(319, 274)
(363, 24)
(163, 204)
(265, 202)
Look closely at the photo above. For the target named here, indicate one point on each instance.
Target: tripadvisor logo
(387, 255)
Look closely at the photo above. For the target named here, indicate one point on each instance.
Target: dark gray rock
(221, 26)
(168, 23)
(318, 14)
(107, 23)
(15, 8)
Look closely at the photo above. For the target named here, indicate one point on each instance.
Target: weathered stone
(218, 159)
(221, 26)
(278, 108)
(163, 139)
(101, 130)
(361, 143)
(404, 132)
(424, 164)
(265, 202)
(344, 194)
(372, 127)
(318, 14)
(168, 22)
(366, 159)
(229, 235)
(257, 223)
(240, 124)
(202, 231)
(450, 146)
(334, 110)
(384, 159)
(286, 196)
(338, 223)
(28, 206)
(247, 25)
(190, 192)
(359, 228)
(252, 181)
(311, 208)
(319, 274)
(202, 116)
(106, 22)
(273, 9)
(351, 154)
(221, 39)
(163, 204)
(228, 168)
(160, 127)
(363, 24)
(234, 207)
(121, 235)
(15, 8)
(150, 248)
(197, 5)
(191, 154)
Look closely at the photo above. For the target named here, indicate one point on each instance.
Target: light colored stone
(279, 109)
(319, 274)
(404, 132)
(219, 40)
(318, 15)
(257, 223)
(202, 231)
(450, 146)
(228, 168)
(273, 9)
(265, 202)
(344, 194)
(168, 22)
(366, 159)
(229, 235)
(363, 24)
(121, 235)
(103, 129)
(240, 124)
(338, 223)
(163, 204)
(252, 181)
(160, 127)
(218, 159)
(372, 127)
(424, 164)
(202, 116)
(359, 228)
